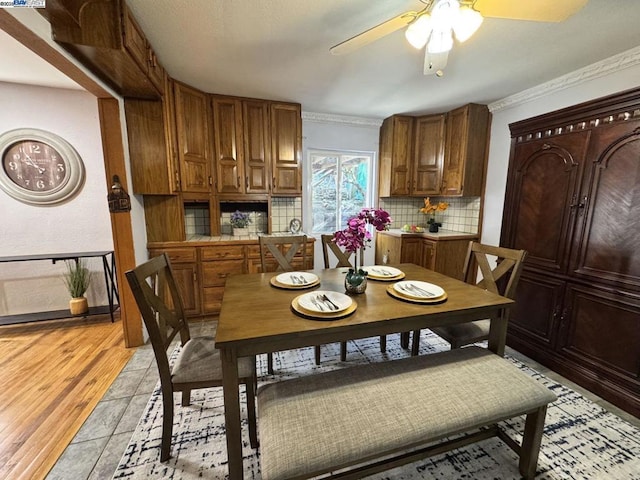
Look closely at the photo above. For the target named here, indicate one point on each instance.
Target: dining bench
(356, 421)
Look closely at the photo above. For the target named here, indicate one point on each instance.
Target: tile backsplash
(283, 210)
(196, 220)
(462, 215)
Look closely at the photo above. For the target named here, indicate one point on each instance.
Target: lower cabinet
(444, 255)
(201, 269)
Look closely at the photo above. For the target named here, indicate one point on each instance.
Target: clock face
(39, 167)
(34, 166)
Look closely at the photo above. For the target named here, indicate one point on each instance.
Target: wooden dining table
(258, 318)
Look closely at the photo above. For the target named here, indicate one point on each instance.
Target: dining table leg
(232, 412)
(498, 332)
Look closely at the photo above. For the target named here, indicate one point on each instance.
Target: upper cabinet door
(540, 208)
(396, 140)
(192, 126)
(428, 155)
(286, 148)
(227, 128)
(257, 152)
(466, 151)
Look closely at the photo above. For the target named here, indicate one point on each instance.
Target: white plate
(313, 301)
(417, 289)
(382, 271)
(297, 279)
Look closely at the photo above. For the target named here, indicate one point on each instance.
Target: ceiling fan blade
(373, 34)
(434, 63)
(533, 10)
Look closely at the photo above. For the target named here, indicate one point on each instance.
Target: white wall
(623, 73)
(328, 132)
(81, 223)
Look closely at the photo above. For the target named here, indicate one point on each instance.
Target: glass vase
(355, 281)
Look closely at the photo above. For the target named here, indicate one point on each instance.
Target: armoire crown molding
(605, 67)
(341, 119)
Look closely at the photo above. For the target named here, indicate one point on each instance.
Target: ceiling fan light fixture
(467, 23)
(417, 33)
(441, 41)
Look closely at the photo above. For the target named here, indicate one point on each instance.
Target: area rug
(581, 440)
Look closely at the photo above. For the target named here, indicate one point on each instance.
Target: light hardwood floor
(52, 376)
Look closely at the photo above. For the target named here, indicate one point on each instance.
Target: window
(340, 187)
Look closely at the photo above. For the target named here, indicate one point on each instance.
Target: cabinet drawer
(253, 251)
(223, 252)
(176, 255)
(215, 273)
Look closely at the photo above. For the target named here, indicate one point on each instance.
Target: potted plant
(77, 280)
(240, 221)
(431, 209)
(356, 237)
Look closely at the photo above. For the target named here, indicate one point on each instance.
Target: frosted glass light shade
(418, 31)
(467, 22)
(441, 41)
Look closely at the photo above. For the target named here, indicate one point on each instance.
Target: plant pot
(78, 306)
(240, 231)
(433, 227)
(355, 282)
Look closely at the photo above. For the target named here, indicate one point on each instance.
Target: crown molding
(341, 119)
(605, 67)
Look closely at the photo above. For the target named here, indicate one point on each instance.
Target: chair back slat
(343, 257)
(283, 248)
(503, 278)
(156, 293)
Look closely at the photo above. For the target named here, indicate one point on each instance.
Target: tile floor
(96, 450)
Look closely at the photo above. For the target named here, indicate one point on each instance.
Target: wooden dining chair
(198, 363)
(283, 248)
(502, 280)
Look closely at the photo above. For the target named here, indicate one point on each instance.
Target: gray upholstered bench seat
(357, 415)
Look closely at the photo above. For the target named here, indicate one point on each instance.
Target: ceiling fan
(437, 23)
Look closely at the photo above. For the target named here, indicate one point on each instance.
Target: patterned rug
(581, 440)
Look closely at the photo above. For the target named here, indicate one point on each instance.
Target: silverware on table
(328, 301)
(419, 291)
(317, 303)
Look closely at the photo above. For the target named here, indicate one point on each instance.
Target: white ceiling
(279, 49)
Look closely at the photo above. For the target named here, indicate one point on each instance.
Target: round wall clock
(39, 167)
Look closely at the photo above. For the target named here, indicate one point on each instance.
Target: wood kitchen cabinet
(441, 254)
(185, 269)
(428, 155)
(217, 263)
(396, 141)
(202, 268)
(106, 38)
(442, 155)
(286, 148)
(193, 138)
(242, 156)
(152, 147)
(466, 151)
(570, 203)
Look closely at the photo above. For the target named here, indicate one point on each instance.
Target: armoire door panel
(602, 328)
(609, 238)
(547, 184)
(537, 309)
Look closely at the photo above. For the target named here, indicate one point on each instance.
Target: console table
(108, 266)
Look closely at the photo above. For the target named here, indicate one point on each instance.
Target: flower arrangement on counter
(431, 209)
(240, 219)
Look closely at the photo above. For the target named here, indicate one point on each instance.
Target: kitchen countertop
(203, 240)
(440, 235)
